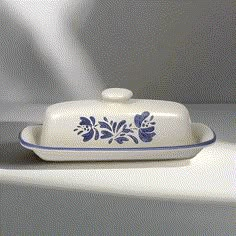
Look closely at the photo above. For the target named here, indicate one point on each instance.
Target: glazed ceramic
(30, 137)
(116, 123)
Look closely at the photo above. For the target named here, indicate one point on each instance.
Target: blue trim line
(34, 146)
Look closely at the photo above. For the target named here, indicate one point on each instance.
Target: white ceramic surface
(116, 121)
(30, 137)
(116, 95)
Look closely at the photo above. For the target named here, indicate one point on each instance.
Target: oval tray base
(29, 138)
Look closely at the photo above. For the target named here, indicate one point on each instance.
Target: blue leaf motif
(96, 134)
(92, 119)
(148, 130)
(88, 136)
(84, 121)
(80, 132)
(114, 127)
(126, 130)
(134, 138)
(104, 125)
(120, 140)
(106, 134)
(120, 124)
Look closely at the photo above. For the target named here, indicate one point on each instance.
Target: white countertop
(210, 176)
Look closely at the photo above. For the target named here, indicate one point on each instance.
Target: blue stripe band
(34, 146)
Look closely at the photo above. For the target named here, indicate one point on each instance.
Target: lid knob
(116, 95)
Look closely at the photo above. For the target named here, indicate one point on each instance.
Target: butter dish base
(30, 136)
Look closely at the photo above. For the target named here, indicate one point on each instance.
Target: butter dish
(116, 127)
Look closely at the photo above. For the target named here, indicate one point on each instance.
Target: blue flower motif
(87, 128)
(119, 132)
(145, 126)
(116, 131)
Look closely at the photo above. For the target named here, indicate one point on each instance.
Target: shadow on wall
(180, 51)
(26, 74)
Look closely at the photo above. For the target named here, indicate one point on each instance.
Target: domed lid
(117, 120)
(117, 101)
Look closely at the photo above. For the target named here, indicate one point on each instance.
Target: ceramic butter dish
(116, 128)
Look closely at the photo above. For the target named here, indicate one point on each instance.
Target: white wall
(53, 50)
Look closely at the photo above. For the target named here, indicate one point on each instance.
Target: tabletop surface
(208, 176)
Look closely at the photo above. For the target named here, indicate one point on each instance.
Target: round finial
(116, 94)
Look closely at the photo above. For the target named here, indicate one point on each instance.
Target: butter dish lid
(117, 120)
(117, 101)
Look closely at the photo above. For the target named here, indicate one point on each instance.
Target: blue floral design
(87, 128)
(145, 126)
(119, 132)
